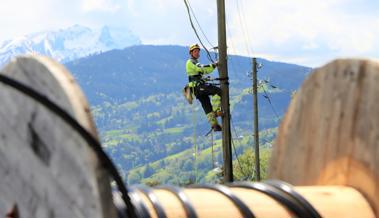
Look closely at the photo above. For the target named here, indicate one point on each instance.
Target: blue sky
(297, 31)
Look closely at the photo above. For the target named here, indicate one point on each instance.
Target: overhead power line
(198, 24)
(243, 29)
(267, 96)
(235, 151)
(245, 22)
(194, 29)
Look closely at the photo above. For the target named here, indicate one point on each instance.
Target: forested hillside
(151, 132)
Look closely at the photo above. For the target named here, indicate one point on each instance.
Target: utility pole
(256, 130)
(223, 71)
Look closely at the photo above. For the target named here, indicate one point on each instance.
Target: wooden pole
(256, 130)
(223, 71)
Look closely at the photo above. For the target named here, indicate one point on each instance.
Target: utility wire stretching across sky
(243, 30)
(269, 101)
(231, 61)
(194, 29)
(198, 24)
(248, 47)
(251, 45)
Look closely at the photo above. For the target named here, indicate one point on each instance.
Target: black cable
(222, 78)
(244, 33)
(245, 210)
(139, 205)
(179, 193)
(293, 206)
(235, 151)
(205, 36)
(290, 191)
(269, 101)
(235, 133)
(92, 142)
(229, 57)
(197, 35)
(153, 199)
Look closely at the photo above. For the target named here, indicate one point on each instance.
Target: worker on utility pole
(201, 89)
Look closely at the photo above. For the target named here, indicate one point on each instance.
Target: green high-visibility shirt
(194, 68)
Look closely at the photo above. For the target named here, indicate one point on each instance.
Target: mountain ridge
(68, 44)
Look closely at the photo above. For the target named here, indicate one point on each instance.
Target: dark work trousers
(202, 92)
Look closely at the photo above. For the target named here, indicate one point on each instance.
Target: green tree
(147, 171)
(134, 177)
(188, 164)
(244, 166)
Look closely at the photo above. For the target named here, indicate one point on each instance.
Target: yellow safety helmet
(193, 47)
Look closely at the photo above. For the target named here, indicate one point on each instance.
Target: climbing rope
(194, 140)
(212, 143)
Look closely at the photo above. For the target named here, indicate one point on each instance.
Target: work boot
(13, 213)
(213, 121)
(217, 128)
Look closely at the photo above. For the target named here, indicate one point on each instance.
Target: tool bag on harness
(188, 89)
(188, 94)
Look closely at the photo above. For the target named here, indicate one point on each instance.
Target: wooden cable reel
(330, 134)
(327, 146)
(46, 168)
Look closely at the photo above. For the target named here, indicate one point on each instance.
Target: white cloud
(19, 14)
(99, 5)
(296, 28)
(166, 21)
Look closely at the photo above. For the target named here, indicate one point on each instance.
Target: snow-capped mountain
(68, 44)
